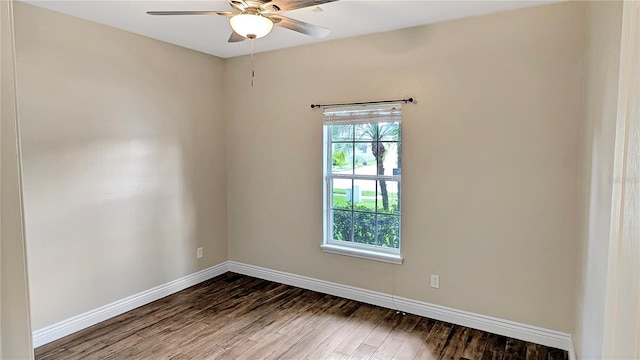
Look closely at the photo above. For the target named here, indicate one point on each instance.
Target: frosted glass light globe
(250, 25)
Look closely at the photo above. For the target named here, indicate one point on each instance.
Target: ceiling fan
(253, 19)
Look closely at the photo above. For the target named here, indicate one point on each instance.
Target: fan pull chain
(253, 71)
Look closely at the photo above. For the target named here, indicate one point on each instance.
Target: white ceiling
(209, 34)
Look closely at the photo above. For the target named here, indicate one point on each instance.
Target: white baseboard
(83, 321)
(491, 324)
(494, 325)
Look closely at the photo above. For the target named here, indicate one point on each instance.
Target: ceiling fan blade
(241, 5)
(288, 5)
(300, 26)
(188, 12)
(235, 37)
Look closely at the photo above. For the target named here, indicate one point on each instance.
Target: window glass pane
(364, 195)
(366, 132)
(364, 231)
(389, 131)
(378, 132)
(342, 193)
(386, 155)
(342, 225)
(390, 160)
(341, 132)
(342, 158)
(388, 197)
(397, 170)
(389, 231)
(365, 162)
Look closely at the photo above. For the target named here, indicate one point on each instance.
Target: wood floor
(239, 317)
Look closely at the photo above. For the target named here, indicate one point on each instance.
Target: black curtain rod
(409, 100)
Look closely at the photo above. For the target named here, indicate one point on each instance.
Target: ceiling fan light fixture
(251, 25)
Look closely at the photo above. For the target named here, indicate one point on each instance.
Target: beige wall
(491, 155)
(124, 162)
(600, 102)
(15, 330)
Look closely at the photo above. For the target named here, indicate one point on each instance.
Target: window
(362, 173)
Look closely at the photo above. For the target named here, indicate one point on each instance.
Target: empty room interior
(363, 180)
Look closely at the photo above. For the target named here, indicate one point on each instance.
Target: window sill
(361, 253)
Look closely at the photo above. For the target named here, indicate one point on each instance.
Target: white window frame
(330, 245)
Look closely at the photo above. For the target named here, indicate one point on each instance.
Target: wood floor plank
(180, 357)
(476, 343)
(362, 330)
(314, 315)
(239, 317)
(412, 341)
(263, 344)
(407, 323)
(286, 344)
(336, 355)
(411, 344)
(515, 350)
(556, 354)
(495, 347)
(536, 352)
(330, 307)
(382, 330)
(201, 347)
(84, 350)
(168, 344)
(127, 348)
(237, 349)
(424, 326)
(107, 351)
(456, 343)
(277, 320)
(317, 337)
(61, 353)
(211, 352)
(388, 348)
(363, 352)
(333, 342)
(435, 342)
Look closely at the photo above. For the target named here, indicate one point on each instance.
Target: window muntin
(363, 178)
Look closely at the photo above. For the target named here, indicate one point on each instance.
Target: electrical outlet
(435, 281)
(199, 252)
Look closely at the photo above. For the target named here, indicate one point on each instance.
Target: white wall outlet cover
(435, 281)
